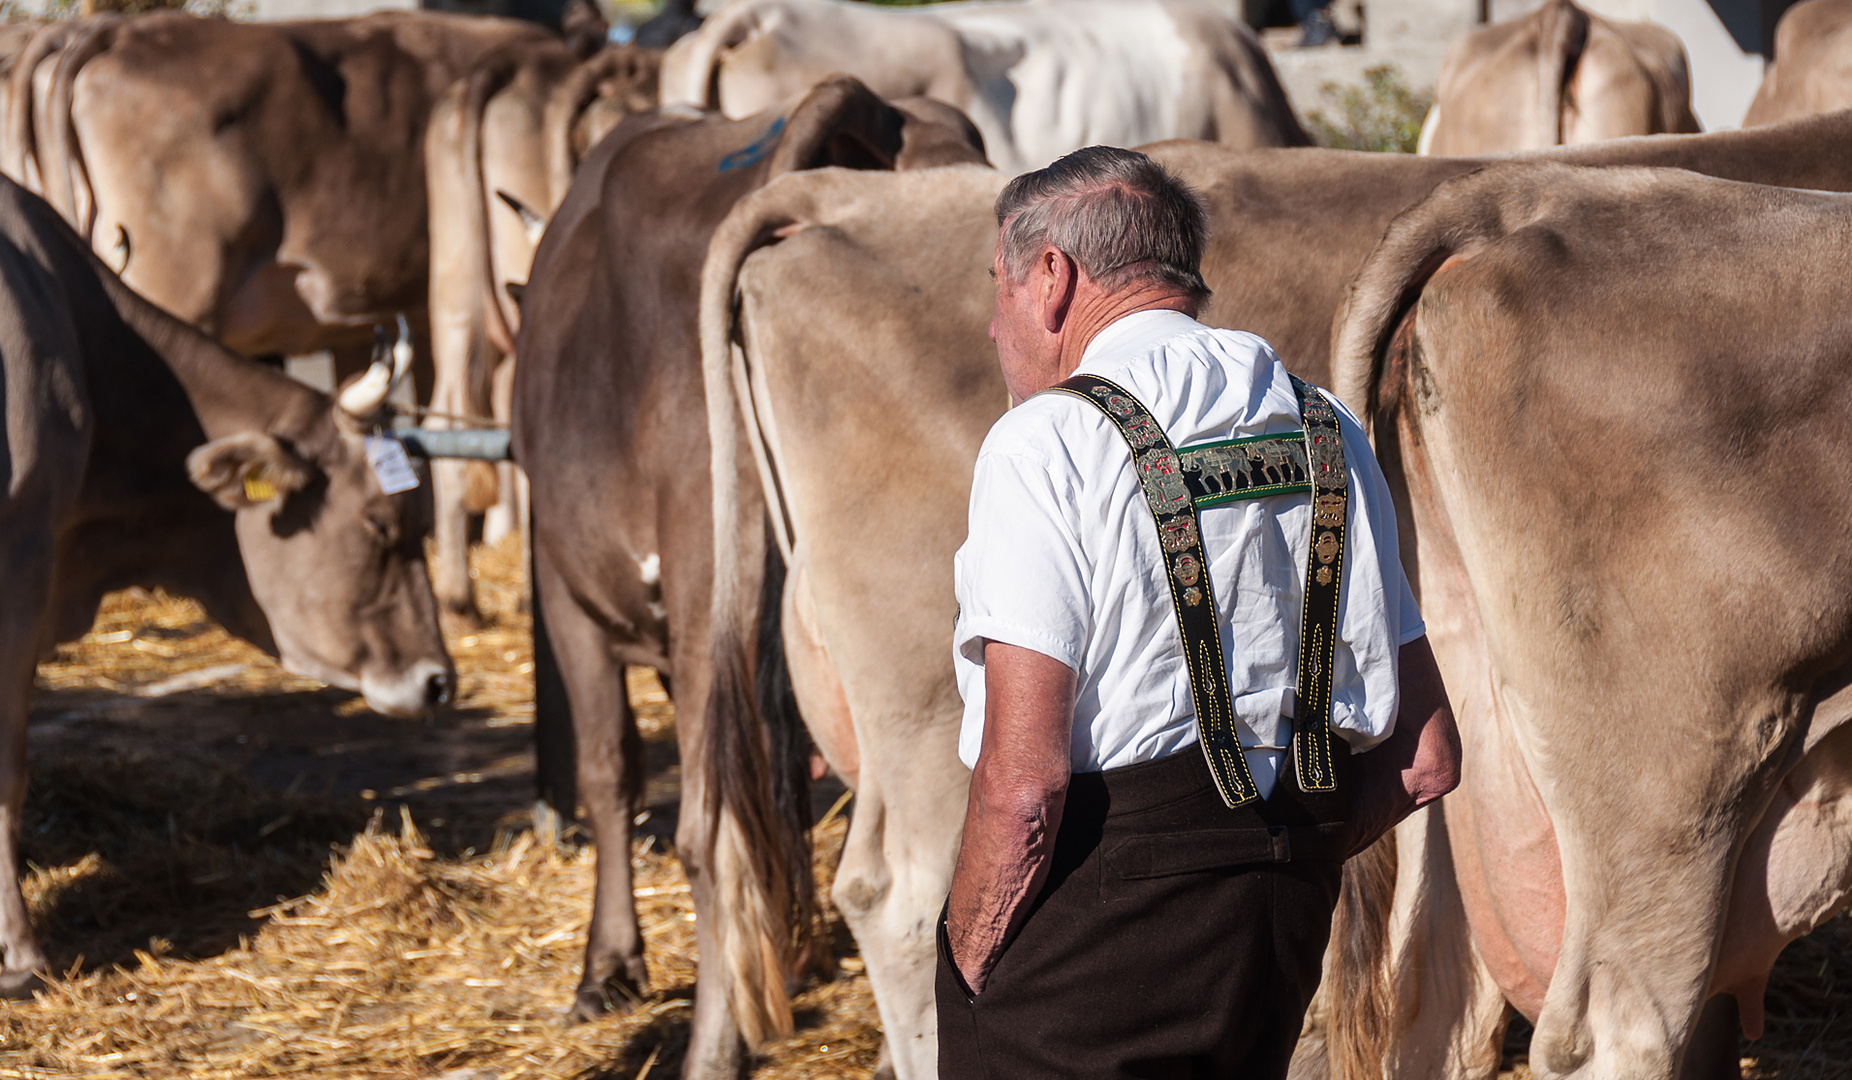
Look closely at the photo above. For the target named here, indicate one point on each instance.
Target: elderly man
(1194, 677)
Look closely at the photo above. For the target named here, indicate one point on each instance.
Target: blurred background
(1368, 80)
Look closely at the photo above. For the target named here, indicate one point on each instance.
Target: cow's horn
(366, 394)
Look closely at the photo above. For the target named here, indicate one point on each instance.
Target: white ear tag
(390, 466)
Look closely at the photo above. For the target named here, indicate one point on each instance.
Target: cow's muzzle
(419, 690)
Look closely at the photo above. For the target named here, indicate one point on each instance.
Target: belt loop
(1282, 843)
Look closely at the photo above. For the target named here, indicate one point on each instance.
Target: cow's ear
(246, 469)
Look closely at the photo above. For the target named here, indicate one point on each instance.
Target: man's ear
(246, 469)
(1059, 278)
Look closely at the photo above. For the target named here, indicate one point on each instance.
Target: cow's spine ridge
(21, 143)
(1564, 34)
(66, 176)
(485, 82)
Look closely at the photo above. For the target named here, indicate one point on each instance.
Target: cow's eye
(381, 530)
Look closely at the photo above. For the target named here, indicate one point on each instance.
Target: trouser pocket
(959, 1057)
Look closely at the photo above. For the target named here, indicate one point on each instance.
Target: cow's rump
(1618, 403)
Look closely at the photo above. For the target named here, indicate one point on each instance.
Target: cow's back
(267, 181)
(1812, 69)
(1288, 227)
(1558, 76)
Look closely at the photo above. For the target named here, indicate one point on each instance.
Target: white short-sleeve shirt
(1062, 557)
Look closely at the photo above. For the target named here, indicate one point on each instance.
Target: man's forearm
(1009, 841)
(1418, 763)
(1017, 791)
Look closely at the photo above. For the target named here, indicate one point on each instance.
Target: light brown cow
(264, 182)
(865, 429)
(122, 427)
(1038, 77)
(609, 422)
(500, 152)
(1556, 77)
(1812, 69)
(1649, 671)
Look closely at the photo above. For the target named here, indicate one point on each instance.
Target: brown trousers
(1175, 937)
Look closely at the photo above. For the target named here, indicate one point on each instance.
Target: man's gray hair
(1121, 216)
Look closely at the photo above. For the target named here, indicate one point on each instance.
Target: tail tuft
(1361, 1005)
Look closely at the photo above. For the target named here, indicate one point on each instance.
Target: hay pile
(404, 964)
(211, 922)
(157, 864)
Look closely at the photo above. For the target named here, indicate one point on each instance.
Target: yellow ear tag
(257, 487)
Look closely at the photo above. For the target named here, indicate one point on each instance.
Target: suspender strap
(1324, 580)
(1187, 571)
(1176, 485)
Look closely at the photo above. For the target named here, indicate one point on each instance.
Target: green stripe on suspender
(1178, 483)
(1252, 468)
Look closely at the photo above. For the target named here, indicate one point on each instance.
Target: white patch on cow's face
(651, 569)
(658, 609)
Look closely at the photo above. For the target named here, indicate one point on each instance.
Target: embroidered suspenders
(1178, 483)
(1324, 580)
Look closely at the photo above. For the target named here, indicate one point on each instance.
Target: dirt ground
(238, 873)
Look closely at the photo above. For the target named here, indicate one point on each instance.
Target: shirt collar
(1132, 334)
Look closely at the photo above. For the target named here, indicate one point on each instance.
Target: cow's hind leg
(610, 786)
(896, 869)
(716, 1050)
(21, 618)
(504, 517)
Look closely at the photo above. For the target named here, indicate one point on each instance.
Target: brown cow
(1812, 69)
(500, 151)
(264, 182)
(1556, 77)
(122, 427)
(609, 424)
(1649, 671)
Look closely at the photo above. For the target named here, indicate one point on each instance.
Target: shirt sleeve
(1021, 577)
(1413, 625)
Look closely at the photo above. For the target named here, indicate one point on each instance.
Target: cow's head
(336, 563)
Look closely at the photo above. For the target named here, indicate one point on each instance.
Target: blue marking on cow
(756, 149)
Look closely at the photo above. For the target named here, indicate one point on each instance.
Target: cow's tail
(20, 148)
(633, 70)
(1563, 34)
(761, 861)
(1360, 1007)
(67, 179)
(691, 66)
(485, 81)
(1373, 354)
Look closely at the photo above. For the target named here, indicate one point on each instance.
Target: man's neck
(1093, 311)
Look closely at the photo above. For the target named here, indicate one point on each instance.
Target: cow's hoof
(19, 985)
(595, 1003)
(615, 996)
(587, 1005)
